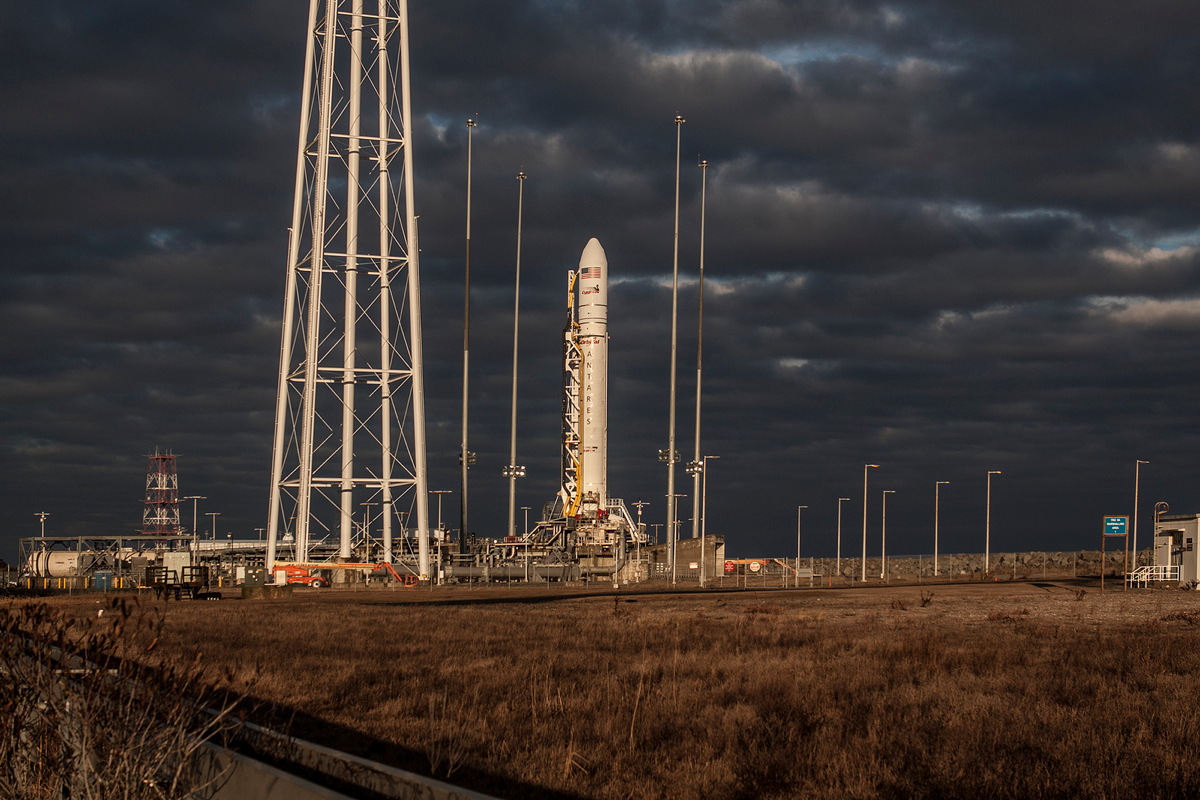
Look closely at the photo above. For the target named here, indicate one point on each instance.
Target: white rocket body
(592, 316)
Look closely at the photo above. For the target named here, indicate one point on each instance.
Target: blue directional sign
(1116, 526)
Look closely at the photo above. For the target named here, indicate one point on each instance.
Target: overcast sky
(943, 237)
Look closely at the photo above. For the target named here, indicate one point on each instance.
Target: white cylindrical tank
(54, 564)
(593, 344)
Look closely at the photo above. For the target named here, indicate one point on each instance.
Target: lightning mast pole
(350, 424)
(513, 471)
(671, 456)
(464, 455)
(698, 466)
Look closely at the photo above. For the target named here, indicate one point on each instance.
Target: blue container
(102, 581)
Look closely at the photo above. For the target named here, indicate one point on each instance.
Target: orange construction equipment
(305, 573)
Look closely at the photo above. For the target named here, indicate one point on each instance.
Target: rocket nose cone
(593, 255)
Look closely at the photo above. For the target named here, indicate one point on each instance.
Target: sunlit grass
(985, 692)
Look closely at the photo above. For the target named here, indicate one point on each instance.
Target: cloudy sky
(943, 237)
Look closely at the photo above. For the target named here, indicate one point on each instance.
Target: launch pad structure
(582, 532)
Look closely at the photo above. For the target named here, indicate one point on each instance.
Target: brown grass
(992, 691)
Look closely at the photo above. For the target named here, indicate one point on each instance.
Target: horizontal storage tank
(59, 563)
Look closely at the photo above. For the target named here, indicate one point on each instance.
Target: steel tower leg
(350, 425)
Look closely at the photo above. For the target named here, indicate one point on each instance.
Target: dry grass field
(1010, 690)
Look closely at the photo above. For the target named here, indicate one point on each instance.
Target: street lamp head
(942, 483)
(889, 491)
(1143, 462)
(871, 466)
(994, 472)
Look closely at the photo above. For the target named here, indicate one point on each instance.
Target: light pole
(195, 498)
(195, 534)
(883, 540)
(439, 493)
(465, 456)
(41, 515)
(864, 542)
(214, 515)
(671, 453)
(987, 544)
(704, 519)
(655, 526)
(673, 534)
(798, 510)
(937, 485)
(838, 568)
(1160, 508)
(1137, 467)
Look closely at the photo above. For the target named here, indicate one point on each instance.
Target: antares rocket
(596, 518)
(585, 382)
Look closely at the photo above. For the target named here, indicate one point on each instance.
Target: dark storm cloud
(942, 237)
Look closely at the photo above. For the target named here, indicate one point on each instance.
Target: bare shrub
(1188, 617)
(926, 599)
(899, 605)
(91, 710)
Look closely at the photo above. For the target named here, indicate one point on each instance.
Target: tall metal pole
(464, 455)
(671, 455)
(697, 477)
(513, 471)
(195, 502)
(420, 480)
(195, 542)
(1137, 467)
(987, 544)
(703, 518)
(214, 515)
(439, 493)
(838, 568)
(798, 510)
(350, 281)
(41, 515)
(864, 531)
(937, 485)
(883, 539)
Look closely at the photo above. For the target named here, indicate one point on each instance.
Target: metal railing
(1142, 577)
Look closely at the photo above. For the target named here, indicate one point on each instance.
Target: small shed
(1176, 556)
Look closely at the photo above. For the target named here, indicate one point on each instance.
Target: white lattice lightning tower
(349, 419)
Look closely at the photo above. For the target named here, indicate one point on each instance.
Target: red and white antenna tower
(161, 513)
(350, 408)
